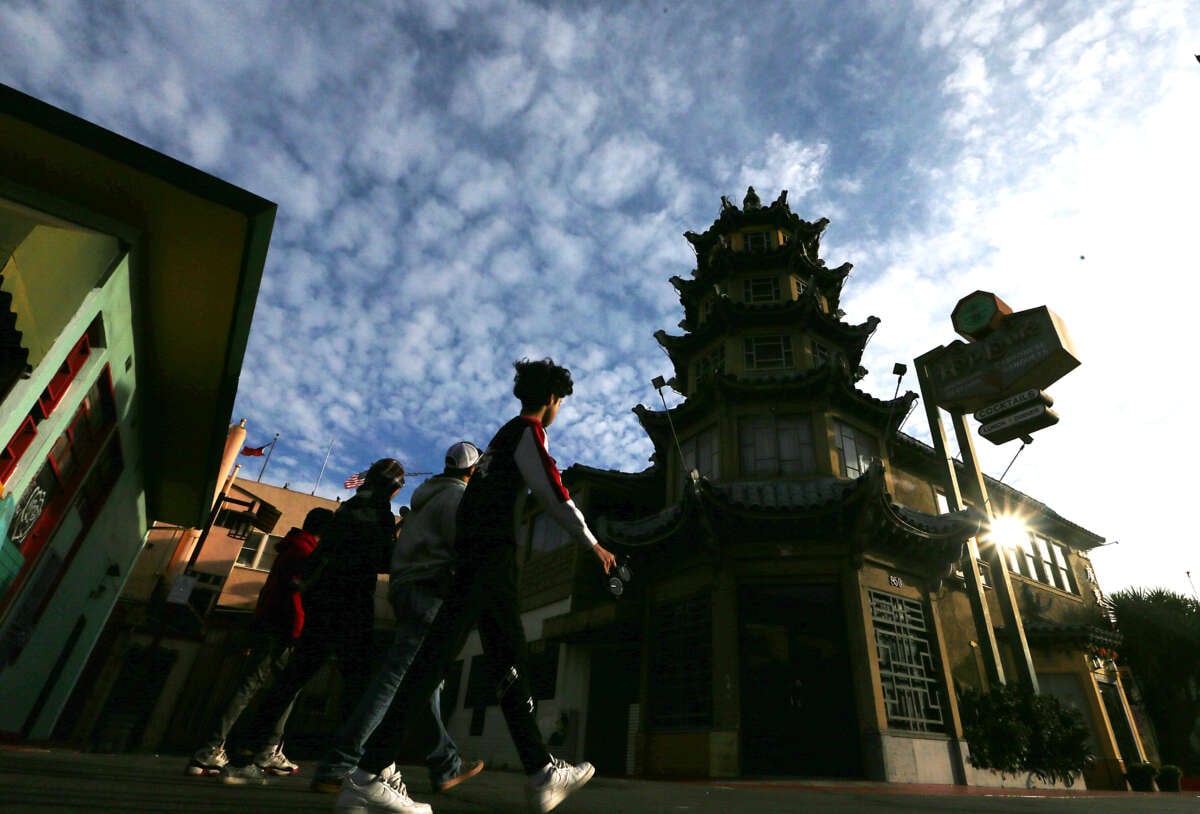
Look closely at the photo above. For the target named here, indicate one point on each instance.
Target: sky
(463, 183)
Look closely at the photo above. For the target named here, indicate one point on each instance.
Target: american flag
(355, 481)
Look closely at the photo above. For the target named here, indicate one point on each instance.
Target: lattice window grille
(906, 667)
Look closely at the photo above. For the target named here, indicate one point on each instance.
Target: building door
(612, 694)
(797, 703)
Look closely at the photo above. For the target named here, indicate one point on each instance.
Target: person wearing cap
(421, 569)
(484, 592)
(338, 587)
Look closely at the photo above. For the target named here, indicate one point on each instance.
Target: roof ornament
(751, 201)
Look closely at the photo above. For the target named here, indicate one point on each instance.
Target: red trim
(66, 374)
(56, 508)
(21, 440)
(548, 463)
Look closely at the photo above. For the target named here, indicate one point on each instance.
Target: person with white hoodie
(422, 567)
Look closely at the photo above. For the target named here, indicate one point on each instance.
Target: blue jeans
(416, 605)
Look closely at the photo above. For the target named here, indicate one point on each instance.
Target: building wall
(78, 573)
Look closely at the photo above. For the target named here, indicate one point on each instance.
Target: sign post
(998, 374)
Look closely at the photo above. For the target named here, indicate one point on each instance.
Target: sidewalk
(59, 780)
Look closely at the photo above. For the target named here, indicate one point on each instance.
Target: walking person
(338, 587)
(278, 621)
(484, 593)
(422, 568)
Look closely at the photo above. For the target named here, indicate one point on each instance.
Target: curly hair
(536, 382)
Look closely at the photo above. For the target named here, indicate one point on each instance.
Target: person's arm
(541, 476)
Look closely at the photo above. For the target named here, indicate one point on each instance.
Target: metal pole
(321, 474)
(976, 591)
(1010, 611)
(268, 460)
(212, 518)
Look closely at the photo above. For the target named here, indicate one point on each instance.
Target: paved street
(39, 780)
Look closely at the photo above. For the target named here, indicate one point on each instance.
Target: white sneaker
(272, 760)
(551, 785)
(208, 761)
(383, 793)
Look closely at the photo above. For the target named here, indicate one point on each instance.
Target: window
(681, 692)
(547, 534)
(906, 664)
(761, 289)
(710, 365)
(757, 241)
(776, 445)
(1043, 560)
(768, 352)
(259, 551)
(856, 448)
(702, 452)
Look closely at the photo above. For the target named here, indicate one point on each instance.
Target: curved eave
(829, 384)
(1075, 636)
(803, 312)
(915, 452)
(648, 531)
(731, 219)
(834, 505)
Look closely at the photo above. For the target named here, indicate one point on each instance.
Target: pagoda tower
(767, 364)
(795, 601)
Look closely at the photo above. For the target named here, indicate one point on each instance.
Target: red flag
(256, 452)
(355, 481)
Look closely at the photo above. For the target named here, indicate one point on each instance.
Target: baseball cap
(462, 455)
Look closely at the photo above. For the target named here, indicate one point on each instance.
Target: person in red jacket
(279, 619)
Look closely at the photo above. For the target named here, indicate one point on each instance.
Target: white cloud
(462, 183)
(493, 89)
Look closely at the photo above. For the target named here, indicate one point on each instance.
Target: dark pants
(347, 637)
(267, 660)
(484, 593)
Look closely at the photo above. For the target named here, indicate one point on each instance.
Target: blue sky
(463, 183)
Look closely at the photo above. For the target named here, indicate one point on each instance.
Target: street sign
(1025, 398)
(978, 314)
(1022, 422)
(1030, 349)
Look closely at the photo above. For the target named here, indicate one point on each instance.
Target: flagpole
(268, 460)
(322, 472)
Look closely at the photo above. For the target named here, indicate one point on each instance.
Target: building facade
(798, 603)
(127, 283)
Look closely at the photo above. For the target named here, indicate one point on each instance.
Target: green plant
(1013, 730)
(1169, 778)
(1141, 776)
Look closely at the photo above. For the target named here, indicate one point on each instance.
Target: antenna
(1026, 440)
(659, 383)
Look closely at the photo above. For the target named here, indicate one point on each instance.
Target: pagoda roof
(753, 213)
(859, 511)
(1059, 634)
(828, 384)
(728, 315)
(909, 450)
